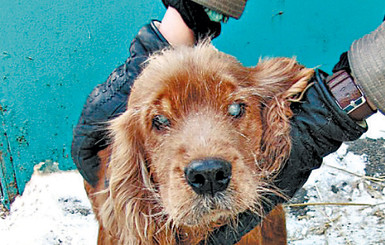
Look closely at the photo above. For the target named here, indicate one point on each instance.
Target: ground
(54, 208)
(352, 177)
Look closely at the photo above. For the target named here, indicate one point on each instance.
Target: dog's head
(201, 137)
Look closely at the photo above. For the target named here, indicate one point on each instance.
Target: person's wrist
(175, 30)
(196, 17)
(349, 96)
(343, 68)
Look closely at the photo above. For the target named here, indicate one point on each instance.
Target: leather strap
(349, 96)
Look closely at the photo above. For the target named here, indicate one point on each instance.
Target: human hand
(196, 18)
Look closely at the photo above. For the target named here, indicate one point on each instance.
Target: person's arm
(319, 125)
(367, 62)
(195, 16)
(179, 26)
(175, 30)
(109, 99)
(318, 128)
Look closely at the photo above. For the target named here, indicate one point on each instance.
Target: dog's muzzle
(208, 175)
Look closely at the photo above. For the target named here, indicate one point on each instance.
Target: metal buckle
(354, 104)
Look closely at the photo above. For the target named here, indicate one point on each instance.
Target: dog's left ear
(278, 81)
(126, 210)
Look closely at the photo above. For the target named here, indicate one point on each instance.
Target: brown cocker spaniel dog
(201, 140)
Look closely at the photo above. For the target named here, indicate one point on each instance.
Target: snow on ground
(54, 208)
(344, 178)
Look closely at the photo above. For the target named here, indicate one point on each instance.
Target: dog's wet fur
(195, 108)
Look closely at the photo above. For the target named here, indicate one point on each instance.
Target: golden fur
(148, 200)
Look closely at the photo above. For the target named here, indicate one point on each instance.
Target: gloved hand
(196, 18)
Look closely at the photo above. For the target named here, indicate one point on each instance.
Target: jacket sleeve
(108, 100)
(367, 62)
(318, 128)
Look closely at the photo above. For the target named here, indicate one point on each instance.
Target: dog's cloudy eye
(160, 122)
(236, 109)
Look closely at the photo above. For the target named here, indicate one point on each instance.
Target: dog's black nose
(208, 175)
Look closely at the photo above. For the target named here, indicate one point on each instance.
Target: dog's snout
(208, 175)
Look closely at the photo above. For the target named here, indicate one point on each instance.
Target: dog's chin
(217, 217)
(207, 210)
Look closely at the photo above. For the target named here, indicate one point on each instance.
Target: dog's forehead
(198, 87)
(188, 76)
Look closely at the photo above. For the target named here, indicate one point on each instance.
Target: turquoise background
(52, 53)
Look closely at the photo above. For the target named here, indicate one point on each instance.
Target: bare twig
(373, 179)
(331, 204)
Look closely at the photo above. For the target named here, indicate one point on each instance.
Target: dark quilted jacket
(109, 100)
(318, 128)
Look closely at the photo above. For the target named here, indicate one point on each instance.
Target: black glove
(195, 18)
(319, 127)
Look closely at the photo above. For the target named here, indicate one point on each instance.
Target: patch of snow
(341, 180)
(376, 126)
(53, 209)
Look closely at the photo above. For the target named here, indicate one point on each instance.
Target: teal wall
(52, 53)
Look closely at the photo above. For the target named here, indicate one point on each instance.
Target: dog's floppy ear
(125, 211)
(278, 81)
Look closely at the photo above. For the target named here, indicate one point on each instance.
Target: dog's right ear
(126, 210)
(278, 81)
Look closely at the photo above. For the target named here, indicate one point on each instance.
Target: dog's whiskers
(244, 136)
(256, 161)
